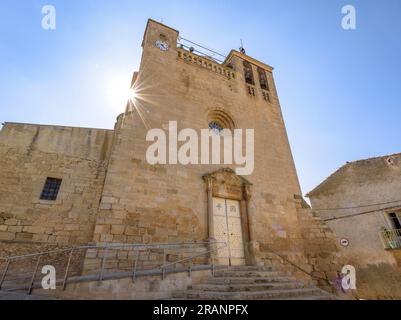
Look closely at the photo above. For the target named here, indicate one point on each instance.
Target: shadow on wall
(381, 281)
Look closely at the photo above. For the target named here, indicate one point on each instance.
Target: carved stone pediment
(226, 183)
(226, 176)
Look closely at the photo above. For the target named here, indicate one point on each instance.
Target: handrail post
(397, 239)
(5, 272)
(135, 264)
(213, 266)
(105, 252)
(164, 262)
(33, 275)
(67, 268)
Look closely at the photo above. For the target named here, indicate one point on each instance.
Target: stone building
(70, 186)
(361, 203)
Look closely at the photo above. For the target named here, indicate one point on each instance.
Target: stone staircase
(5, 295)
(253, 283)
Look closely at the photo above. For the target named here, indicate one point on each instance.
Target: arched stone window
(219, 120)
(248, 73)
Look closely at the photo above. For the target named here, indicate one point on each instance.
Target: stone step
(247, 280)
(253, 283)
(19, 279)
(4, 295)
(232, 273)
(317, 297)
(248, 287)
(251, 295)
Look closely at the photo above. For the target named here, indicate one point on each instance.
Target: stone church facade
(109, 193)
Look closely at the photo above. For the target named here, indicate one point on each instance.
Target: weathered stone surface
(117, 230)
(30, 154)
(7, 235)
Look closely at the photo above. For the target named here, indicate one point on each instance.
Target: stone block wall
(22, 266)
(31, 153)
(124, 258)
(316, 251)
(321, 249)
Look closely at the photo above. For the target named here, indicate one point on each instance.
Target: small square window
(50, 189)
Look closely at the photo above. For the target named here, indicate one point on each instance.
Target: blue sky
(340, 90)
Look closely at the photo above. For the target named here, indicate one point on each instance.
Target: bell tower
(170, 202)
(159, 41)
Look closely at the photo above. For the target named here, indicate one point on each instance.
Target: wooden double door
(228, 228)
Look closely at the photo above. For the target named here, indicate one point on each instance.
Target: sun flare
(119, 92)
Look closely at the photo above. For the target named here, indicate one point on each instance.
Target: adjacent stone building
(32, 153)
(65, 185)
(362, 205)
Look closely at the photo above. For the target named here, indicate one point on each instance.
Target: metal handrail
(300, 268)
(391, 238)
(111, 246)
(136, 247)
(164, 266)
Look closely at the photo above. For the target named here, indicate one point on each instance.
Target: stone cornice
(248, 58)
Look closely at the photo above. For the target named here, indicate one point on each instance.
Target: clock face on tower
(163, 46)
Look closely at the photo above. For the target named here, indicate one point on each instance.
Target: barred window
(50, 189)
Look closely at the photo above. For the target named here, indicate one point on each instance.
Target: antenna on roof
(242, 49)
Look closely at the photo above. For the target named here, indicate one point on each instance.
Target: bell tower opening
(248, 73)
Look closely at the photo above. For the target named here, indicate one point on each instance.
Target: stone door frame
(224, 183)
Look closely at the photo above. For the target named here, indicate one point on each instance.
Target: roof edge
(51, 125)
(256, 62)
(160, 24)
(319, 187)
